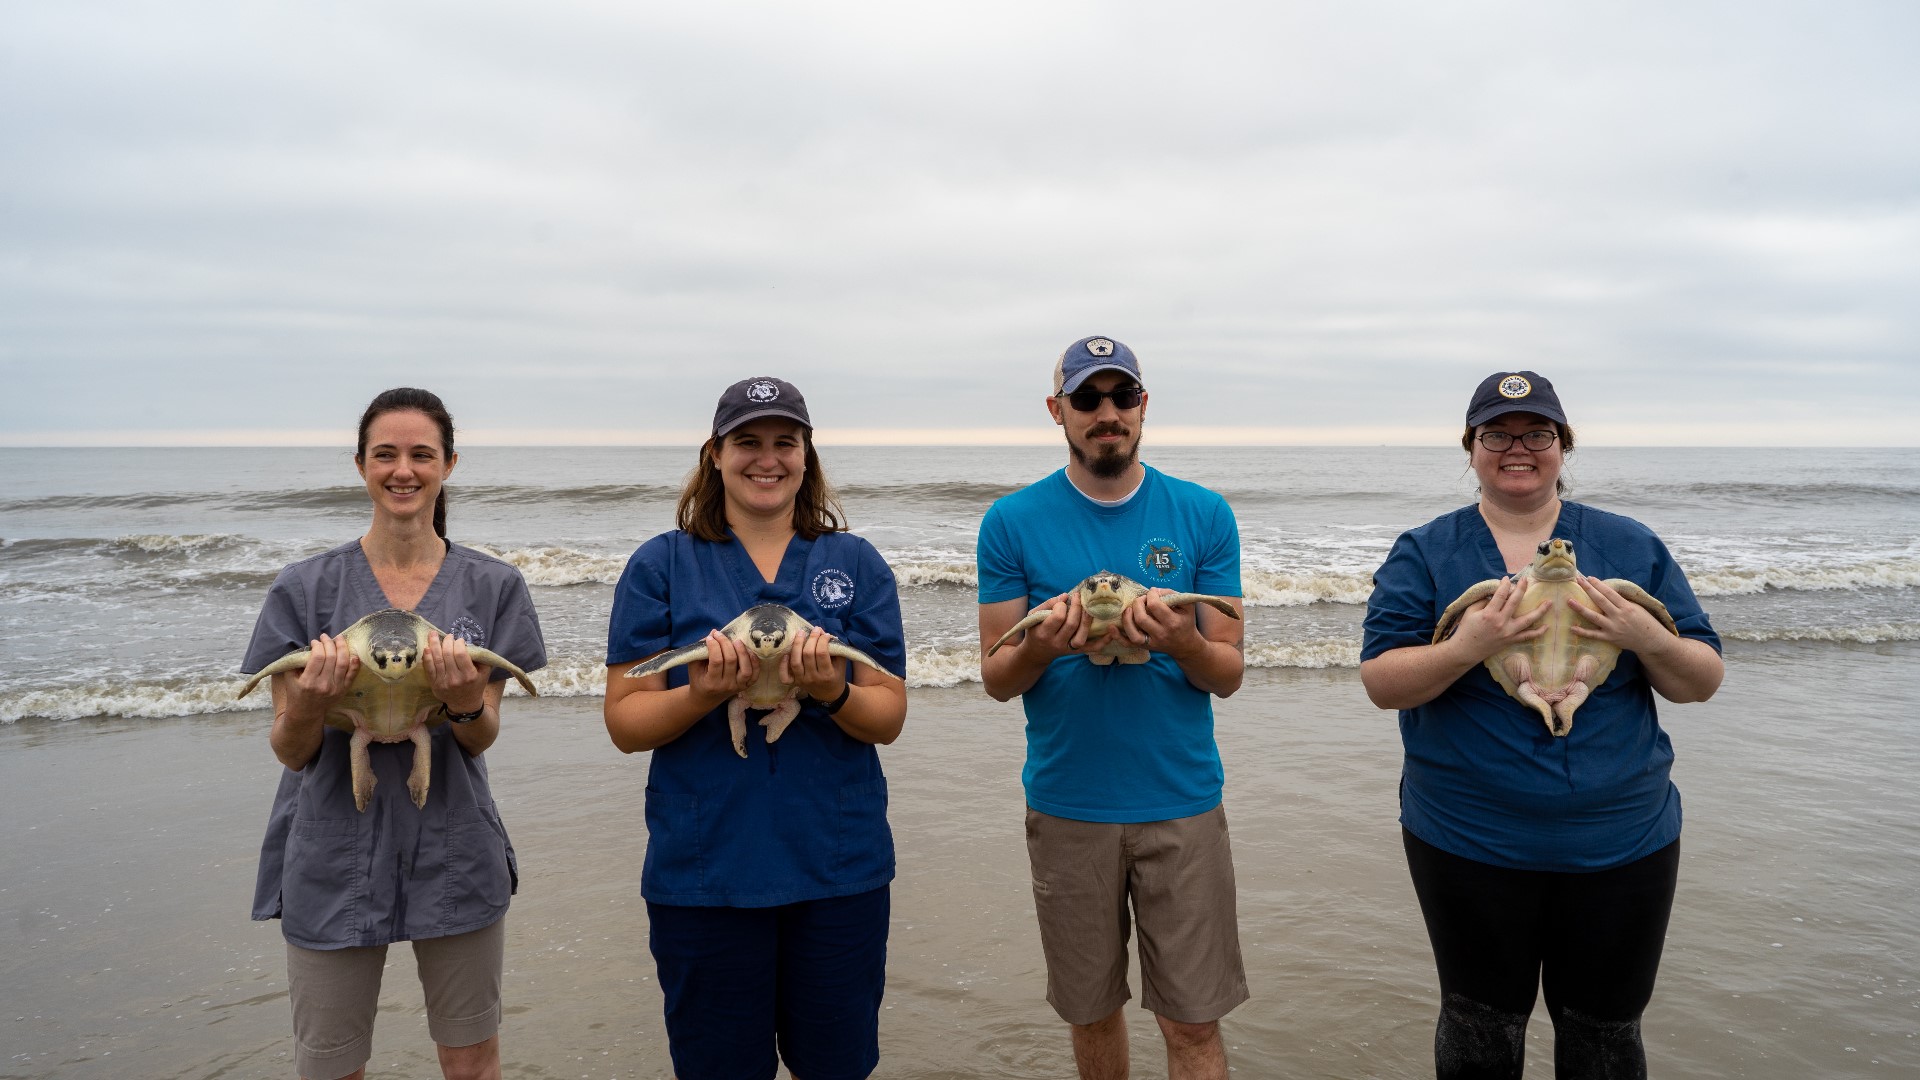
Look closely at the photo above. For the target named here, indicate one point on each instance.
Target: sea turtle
(1104, 596)
(769, 631)
(390, 699)
(1553, 673)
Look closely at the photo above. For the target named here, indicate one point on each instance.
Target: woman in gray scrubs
(346, 883)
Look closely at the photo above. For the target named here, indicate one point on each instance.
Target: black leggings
(1591, 940)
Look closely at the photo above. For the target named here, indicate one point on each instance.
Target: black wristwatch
(834, 705)
(464, 717)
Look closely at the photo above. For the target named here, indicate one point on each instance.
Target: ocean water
(129, 578)
(135, 786)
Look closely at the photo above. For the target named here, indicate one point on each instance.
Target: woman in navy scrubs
(1538, 861)
(766, 879)
(346, 883)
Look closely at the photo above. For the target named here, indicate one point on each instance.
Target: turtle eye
(1545, 546)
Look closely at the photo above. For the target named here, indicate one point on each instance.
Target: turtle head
(1555, 561)
(393, 644)
(1104, 595)
(767, 631)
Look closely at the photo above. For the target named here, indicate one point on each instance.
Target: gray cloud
(1699, 219)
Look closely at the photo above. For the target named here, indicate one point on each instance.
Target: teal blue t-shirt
(1119, 742)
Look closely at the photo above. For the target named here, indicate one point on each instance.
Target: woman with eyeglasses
(1540, 862)
(767, 869)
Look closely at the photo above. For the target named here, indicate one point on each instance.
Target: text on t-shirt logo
(832, 589)
(1160, 557)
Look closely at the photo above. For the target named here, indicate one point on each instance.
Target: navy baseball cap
(1505, 392)
(1088, 356)
(756, 398)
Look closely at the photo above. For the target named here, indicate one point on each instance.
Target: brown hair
(703, 499)
(404, 399)
(1565, 432)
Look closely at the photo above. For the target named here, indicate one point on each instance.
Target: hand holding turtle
(314, 689)
(1063, 630)
(1499, 623)
(729, 668)
(1151, 624)
(1618, 620)
(819, 675)
(458, 682)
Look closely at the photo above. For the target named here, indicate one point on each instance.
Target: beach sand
(130, 850)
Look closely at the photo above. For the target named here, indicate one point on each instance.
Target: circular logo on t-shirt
(832, 589)
(468, 630)
(1159, 557)
(1513, 386)
(762, 392)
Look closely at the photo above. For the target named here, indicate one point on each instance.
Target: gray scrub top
(337, 877)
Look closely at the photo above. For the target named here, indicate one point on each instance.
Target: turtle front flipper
(1218, 603)
(668, 660)
(1034, 618)
(1646, 600)
(493, 659)
(1458, 609)
(290, 662)
(848, 652)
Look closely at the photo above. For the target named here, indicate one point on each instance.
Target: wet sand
(130, 847)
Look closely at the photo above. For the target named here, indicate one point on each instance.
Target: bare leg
(361, 767)
(481, 1061)
(1194, 1051)
(1100, 1048)
(737, 723)
(776, 721)
(422, 765)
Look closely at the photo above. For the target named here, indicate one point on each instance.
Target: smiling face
(1106, 441)
(1518, 478)
(405, 464)
(761, 464)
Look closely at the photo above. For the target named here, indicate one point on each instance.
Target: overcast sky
(1315, 223)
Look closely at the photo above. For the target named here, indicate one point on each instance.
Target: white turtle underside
(1105, 596)
(770, 631)
(390, 699)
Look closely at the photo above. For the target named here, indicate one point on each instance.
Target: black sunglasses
(1123, 398)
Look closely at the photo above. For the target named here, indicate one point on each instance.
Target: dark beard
(1112, 463)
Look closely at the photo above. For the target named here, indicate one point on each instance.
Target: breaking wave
(560, 565)
(1856, 635)
(1895, 573)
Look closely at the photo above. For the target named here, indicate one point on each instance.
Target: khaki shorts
(336, 992)
(1179, 875)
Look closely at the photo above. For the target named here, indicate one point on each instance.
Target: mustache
(1106, 429)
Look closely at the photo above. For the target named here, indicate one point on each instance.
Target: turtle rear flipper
(293, 661)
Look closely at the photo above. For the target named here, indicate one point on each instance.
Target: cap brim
(762, 414)
(1073, 384)
(1502, 408)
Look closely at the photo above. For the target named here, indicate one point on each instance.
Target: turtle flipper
(493, 659)
(361, 766)
(667, 660)
(289, 662)
(1458, 609)
(1646, 600)
(848, 652)
(1034, 618)
(1218, 603)
(776, 721)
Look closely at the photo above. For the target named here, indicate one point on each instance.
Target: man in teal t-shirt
(1123, 778)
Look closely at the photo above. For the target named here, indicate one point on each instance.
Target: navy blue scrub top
(1483, 778)
(336, 877)
(803, 818)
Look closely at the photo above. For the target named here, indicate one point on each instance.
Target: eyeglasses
(1499, 441)
(1123, 398)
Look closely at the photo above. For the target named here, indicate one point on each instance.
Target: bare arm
(301, 700)
(1205, 643)
(875, 710)
(643, 714)
(1018, 665)
(462, 686)
(1413, 675)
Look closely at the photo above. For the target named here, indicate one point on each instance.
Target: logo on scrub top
(1513, 386)
(832, 589)
(762, 392)
(469, 631)
(1159, 557)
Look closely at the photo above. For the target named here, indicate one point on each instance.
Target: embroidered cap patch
(762, 391)
(1513, 386)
